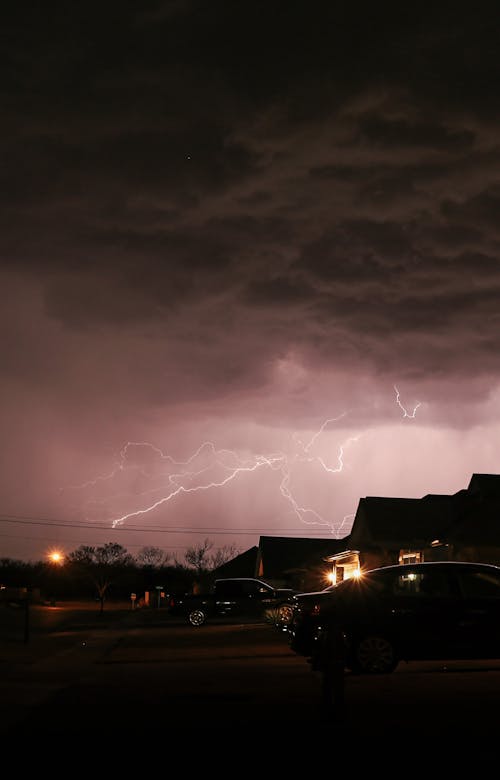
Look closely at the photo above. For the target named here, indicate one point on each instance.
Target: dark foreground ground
(135, 675)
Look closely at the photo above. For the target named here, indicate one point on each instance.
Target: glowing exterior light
(331, 577)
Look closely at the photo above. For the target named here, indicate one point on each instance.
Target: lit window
(410, 556)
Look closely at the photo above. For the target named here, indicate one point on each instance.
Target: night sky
(249, 266)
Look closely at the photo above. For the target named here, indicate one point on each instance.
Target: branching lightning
(209, 468)
(174, 488)
(318, 433)
(189, 477)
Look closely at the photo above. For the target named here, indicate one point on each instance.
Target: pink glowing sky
(251, 228)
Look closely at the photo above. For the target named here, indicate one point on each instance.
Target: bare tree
(152, 557)
(198, 558)
(222, 555)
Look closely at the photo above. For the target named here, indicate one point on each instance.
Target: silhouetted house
(283, 561)
(462, 526)
(476, 535)
(296, 562)
(243, 565)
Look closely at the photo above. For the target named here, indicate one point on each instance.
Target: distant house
(297, 562)
(462, 526)
(243, 565)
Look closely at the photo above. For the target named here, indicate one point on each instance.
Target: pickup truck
(238, 597)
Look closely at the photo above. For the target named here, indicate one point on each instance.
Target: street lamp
(55, 556)
(56, 559)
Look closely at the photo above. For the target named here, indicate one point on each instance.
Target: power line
(214, 530)
(58, 540)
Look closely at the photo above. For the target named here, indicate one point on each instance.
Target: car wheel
(197, 617)
(285, 614)
(374, 655)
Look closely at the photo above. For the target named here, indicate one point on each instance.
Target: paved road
(143, 671)
(145, 674)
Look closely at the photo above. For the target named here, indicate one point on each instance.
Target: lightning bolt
(177, 488)
(209, 468)
(350, 516)
(411, 415)
(340, 457)
(318, 433)
(187, 477)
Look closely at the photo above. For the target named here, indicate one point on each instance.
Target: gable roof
(243, 565)
(281, 554)
(402, 522)
(485, 485)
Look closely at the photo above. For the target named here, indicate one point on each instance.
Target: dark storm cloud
(402, 133)
(148, 274)
(482, 210)
(176, 162)
(277, 292)
(98, 184)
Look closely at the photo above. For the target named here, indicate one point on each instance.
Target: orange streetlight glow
(56, 557)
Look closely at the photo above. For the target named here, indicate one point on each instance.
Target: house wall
(476, 554)
(372, 559)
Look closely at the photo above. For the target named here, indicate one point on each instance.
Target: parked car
(434, 610)
(235, 597)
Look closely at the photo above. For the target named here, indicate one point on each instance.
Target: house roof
(402, 521)
(243, 565)
(471, 515)
(485, 485)
(282, 554)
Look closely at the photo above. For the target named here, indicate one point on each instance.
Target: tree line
(110, 571)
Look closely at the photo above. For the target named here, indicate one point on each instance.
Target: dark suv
(429, 610)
